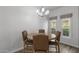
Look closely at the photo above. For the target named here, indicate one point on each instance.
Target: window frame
(52, 18)
(70, 28)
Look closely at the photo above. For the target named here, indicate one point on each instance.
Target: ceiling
(49, 7)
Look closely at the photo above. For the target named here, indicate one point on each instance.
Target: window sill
(66, 37)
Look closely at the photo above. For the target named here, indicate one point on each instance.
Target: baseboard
(16, 50)
(76, 46)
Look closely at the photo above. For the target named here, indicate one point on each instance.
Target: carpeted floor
(64, 49)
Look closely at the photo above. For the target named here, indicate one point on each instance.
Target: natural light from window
(66, 26)
(53, 26)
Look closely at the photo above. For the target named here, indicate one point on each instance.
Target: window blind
(66, 16)
(51, 18)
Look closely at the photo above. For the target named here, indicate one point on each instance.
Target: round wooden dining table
(32, 34)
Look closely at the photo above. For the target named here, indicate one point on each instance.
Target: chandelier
(42, 12)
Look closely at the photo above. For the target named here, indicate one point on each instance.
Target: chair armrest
(56, 41)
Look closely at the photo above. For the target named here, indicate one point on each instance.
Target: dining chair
(26, 40)
(56, 41)
(41, 31)
(40, 43)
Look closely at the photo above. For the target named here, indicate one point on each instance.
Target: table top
(31, 35)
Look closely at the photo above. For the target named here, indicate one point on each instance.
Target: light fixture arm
(42, 12)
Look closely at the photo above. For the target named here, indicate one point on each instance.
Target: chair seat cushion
(52, 42)
(29, 42)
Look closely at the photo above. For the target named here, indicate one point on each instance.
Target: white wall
(78, 24)
(13, 20)
(74, 40)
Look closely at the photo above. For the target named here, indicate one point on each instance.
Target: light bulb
(42, 12)
(37, 11)
(43, 9)
(47, 12)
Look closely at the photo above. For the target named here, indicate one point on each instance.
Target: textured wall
(13, 20)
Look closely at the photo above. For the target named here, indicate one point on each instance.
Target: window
(53, 25)
(66, 25)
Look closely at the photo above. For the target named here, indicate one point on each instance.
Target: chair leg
(33, 50)
(47, 51)
(58, 47)
(24, 47)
